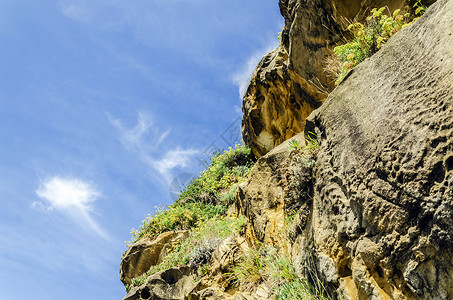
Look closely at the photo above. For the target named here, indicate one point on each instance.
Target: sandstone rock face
(265, 198)
(146, 253)
(185, 282)
(171, 284)
(378, 223)
(290, 82)
(276, 103)
(382, 215)
(374, 217)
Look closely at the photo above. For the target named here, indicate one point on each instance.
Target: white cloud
(71, 196)
(174, 158)
(74, 11)
(242, 77)
(146, 140)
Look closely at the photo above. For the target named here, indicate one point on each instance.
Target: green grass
(196, 250)
(226, 169)
(204, 198)
(263, 264)
(176, 217)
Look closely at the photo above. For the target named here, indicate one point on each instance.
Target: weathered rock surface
(380, 223)
(276, 103)
(374, 217)
(382, 215)
(272, 191)
(290, 82)
(172, 284)
(185, 282)
(146, 253)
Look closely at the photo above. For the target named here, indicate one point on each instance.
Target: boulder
(146, 253)
(276, 103)
(171, 284)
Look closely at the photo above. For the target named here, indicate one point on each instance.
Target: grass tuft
(263, 264)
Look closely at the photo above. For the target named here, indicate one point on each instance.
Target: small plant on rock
(368, 38)
(308, 151)
(264, 265)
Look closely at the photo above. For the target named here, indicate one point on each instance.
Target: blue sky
(102, 104)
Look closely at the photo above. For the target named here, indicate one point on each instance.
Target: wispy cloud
(146, 140)
(74, 11)
(174, 158)
(243, 75)
(71, 196)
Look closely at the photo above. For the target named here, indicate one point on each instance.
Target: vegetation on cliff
(205, 197)
(368, 38)
(200, 208)
(264, 264)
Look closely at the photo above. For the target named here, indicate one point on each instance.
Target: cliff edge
(357, 206)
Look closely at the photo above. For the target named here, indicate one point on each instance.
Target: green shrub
(201, 208)
(202, 198)
(264, 265)
(176, 217)
(226, 169)
(368, 38)
(196, 250)
(308, 151)
(249, 271)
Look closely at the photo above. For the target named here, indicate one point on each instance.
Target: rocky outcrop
(172, 284)
(186, 282)
(276, 103)
(379, 224)
(372, 217)
(146, 253)
(382, 218)
(290, 82)
(277, 186)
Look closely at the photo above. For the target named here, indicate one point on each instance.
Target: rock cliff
(290, 82)
(371, 216)
(381, 224)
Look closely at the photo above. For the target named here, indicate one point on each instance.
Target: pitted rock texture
(186, 282)
(290, 82)
(146, 253)
(276, 103)
(278, 185)
(382, 215)
(171, 284)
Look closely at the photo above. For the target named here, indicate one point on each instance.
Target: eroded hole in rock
(344, 270)
(425, 221)
(380, 271)
(435, 142)
(381, 174)
(449, 163)
(335, 210)
(257, 125)
(171, 276)
(438, 172)
(145, 294)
